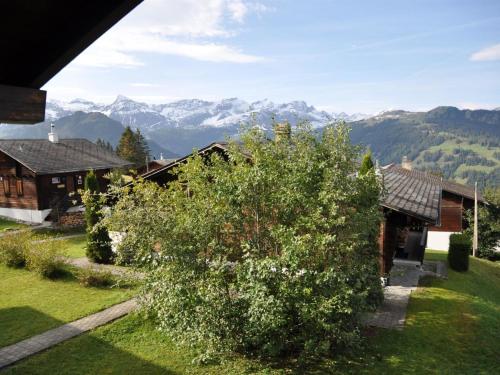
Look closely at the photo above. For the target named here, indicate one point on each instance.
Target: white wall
(438, 240)
(26, 215)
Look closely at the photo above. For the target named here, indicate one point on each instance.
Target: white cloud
(487, 54)
(117, 49)
(181, 27)
(105, 57)
(144, 84)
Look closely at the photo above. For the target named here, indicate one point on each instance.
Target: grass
(452, 328)
(6, 224)
(75, 246)
(57, 232)
(30, 305)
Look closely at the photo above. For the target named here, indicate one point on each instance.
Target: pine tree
(133, 147)
(98, 242)
(367, 163)
(102, 143)
(142, 147)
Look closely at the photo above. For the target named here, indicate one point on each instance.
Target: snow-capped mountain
(195, 113)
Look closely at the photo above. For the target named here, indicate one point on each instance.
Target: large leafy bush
(270, 249)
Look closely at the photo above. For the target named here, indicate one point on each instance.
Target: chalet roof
(68, 155)
(446, 185)
(215, 145)
(408, 193)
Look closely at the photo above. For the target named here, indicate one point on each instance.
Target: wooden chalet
(37, 175)
(421, 211)
(163, 175)
(154, 165)
(38, 39)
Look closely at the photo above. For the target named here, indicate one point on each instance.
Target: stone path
(404, 278)
(13, 353)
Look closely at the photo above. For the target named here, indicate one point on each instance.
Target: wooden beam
(21, 105)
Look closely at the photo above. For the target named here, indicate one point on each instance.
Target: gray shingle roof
(68, 155)
(410, 194)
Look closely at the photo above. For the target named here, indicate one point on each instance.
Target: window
(19, 186)
(6, 186)
(56, 180)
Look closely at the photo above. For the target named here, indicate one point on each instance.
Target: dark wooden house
(37, 175)
(421, 210)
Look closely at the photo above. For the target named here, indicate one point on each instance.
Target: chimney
(282, 131)
(406, 164)
(53, 137)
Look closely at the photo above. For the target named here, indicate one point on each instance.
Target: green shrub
(271, 258)
(13, 247)
(45, 256)
(458, 252)
(91, 277)
(98, 242)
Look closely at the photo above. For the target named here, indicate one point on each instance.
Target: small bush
(13, 248)
(46, 257)
(458, 252)
(91, 277)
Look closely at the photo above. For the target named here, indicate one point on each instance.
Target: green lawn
(453, 327)
(75, 246)
(30, 305)
(10, 225)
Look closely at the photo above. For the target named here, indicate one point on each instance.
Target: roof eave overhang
(426, 219)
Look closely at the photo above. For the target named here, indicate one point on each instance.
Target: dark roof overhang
(38, 39)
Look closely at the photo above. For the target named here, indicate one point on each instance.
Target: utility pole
(475, 237)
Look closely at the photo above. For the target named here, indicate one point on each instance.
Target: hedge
(458, 252)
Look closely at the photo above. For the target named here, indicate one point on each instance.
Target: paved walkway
(13, 353)
(403, 280)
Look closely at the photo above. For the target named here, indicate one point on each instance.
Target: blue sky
(353, 56)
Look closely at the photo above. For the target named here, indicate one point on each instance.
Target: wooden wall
(69, 183)
(10, 173)
(451, 217)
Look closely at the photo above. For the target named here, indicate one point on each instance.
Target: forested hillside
(463, 145)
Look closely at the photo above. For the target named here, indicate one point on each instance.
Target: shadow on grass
(92, 355)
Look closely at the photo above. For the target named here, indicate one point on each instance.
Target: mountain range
(458, 144)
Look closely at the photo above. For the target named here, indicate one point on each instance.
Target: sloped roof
(408, 193)
(446, 185)
(68, 155)
(215, 145)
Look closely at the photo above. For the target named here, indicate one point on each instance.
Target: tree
(98, 247)
(367, 163)
(133, 147)
(489, 225)
(102, 143)
(274, 256)
(143, 150)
